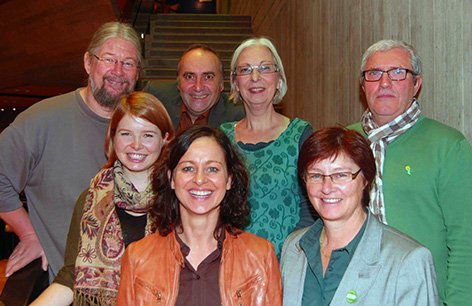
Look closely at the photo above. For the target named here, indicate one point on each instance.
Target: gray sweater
(51, 151)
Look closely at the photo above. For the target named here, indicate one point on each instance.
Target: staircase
(171, 34)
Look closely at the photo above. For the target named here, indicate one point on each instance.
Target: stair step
(144, 78)
(177, 53)
(225, 49)
(173, 62)
(179, 37)
(200, 30)
(172, 73)
(200, 17)
(183, 45)
(201, 23)
(171, 34)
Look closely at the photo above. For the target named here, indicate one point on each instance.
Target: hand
(25, 252)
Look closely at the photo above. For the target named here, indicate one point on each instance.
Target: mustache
(115, 78)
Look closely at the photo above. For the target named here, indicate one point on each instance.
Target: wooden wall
(321, 43)
(43, 42)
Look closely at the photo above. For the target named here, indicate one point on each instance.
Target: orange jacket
(249, 272)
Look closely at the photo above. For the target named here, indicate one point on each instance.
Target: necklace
(323, 253)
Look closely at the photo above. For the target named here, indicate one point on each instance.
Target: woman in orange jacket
(200, 255)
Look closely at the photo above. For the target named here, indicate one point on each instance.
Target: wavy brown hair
(234, 208)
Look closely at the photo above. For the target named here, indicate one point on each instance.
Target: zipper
(154, 292)
(239, 295)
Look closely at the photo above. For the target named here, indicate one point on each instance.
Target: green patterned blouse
(275, 193)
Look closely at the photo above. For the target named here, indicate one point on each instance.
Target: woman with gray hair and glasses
(268, 140)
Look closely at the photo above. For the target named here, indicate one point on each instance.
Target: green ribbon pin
(408, 169)
(351, 296)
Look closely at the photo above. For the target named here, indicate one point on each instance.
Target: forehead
(129, 121)
(119, 47)
(206, 148)
(396, 57)
(255, 54)
(199, 60)
(342, 160)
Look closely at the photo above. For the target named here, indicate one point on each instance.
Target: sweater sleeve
(16, 163)
(455, 198)
(66, 275)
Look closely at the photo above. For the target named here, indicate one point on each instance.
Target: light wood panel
(321, 43)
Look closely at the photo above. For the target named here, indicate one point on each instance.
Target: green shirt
(427, 185)
(319, 290)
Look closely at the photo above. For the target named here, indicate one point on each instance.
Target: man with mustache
(423, 185)
(53, 149)
(197, 99)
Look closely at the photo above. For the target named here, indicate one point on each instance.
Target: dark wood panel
(43, 42)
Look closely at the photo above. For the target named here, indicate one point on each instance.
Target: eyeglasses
(111, 62)
(394, 74)
(262, 69)
(336, 178)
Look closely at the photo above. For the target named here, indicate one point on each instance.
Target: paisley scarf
(101, 246)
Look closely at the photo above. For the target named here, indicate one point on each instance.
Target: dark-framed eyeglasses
(337, 178)
(262, 69)
(394, 74)
(111, 62)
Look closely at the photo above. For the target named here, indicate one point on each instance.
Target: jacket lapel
(363, 269)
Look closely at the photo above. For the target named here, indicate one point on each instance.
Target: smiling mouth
(256, 90)
(135, 157)
(199, 97)
(116, 83)
(200, 193)
(331, 200)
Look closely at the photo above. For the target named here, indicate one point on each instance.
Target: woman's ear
(171, 180)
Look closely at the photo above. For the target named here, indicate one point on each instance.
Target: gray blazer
(387, 268)
(167, 92)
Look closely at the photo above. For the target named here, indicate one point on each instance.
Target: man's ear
(418, 80)
(87, 62)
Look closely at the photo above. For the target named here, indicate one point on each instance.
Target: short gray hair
(258, 41)
(115, 29)
(389, 44)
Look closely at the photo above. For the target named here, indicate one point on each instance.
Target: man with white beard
(53, 149)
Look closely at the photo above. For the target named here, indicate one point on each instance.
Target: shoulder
(300, 123)
(225, 110)
(396, 244)
(295, 237)
(228, 126)
(356, 127)
(165, 91)
(251, 243)
(226, 103)
(148, 245)
(436, 129)
(250, 239)
(48, 108)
